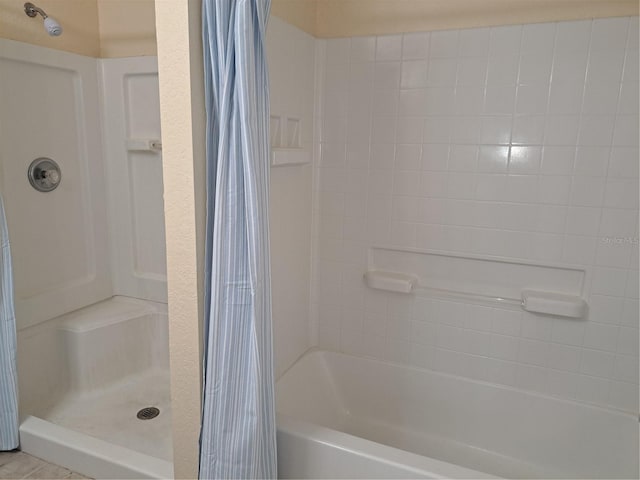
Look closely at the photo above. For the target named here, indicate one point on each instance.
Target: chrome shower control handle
(44, 174)
(52, 176)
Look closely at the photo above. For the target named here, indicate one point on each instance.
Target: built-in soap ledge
(289, 156)
(539, 288)
(550, 303)
(144, 145)
(390, 281)
(286, 142)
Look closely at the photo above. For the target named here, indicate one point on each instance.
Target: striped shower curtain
(238, 436)
(8, 374)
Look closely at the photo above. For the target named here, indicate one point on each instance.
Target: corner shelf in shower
(286, 142)
(289, 156)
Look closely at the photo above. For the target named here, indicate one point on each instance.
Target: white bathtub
(341, 416)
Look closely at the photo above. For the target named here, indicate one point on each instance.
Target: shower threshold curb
(88, 455)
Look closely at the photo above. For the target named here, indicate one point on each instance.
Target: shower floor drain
(148, 413)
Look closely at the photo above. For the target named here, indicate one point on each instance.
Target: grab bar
(535, 301)
(475, 297)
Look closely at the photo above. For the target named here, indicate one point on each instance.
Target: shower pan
(98, 397)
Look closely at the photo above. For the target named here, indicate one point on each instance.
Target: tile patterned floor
(14, 465)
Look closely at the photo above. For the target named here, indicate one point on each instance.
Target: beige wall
(123, 28)
(127, 28)
(344, 18)
(183, 140)
(79, 19)
(96, 28)
(300, 13)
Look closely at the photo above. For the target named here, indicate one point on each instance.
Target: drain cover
(148, 413)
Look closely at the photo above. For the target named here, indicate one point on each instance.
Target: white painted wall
(49, 104)
(519, 142)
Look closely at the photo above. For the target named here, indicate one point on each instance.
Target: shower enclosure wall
(95, 247)
(475, 164)
(515, 143)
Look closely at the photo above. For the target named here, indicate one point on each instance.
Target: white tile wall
(291, 54)
(517, 141)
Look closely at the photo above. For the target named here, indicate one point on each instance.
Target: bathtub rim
(611, 410)
(331, 360)
(422, 465)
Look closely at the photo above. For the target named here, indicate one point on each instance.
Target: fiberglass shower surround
(514, 144)
(91, 315)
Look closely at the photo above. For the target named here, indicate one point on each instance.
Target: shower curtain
(8, 374)
(238, 435)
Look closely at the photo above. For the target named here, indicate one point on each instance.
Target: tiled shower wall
(291, 56)
(519, 142)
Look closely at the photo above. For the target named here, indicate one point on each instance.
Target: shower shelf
(144, 145)
(289, 156)
(539, 288)
(554, 304)
(286, 141)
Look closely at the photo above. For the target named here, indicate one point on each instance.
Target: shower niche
(286, 142)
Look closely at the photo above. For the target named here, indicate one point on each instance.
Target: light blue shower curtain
(8, 374)
(238, 437)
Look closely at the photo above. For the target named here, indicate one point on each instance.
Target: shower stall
(89, 258)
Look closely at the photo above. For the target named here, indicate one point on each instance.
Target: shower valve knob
(51, 176)
(44, 174)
